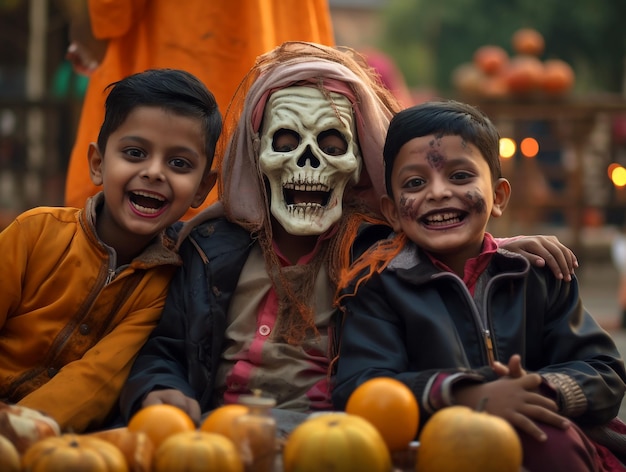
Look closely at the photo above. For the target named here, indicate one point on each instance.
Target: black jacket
(184, 349)
(414, 321)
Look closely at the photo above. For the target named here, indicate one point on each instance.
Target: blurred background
(550, 74)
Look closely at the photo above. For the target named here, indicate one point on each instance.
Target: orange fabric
(216, 41)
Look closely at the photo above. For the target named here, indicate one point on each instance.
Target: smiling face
(152, 171)
(443, 197)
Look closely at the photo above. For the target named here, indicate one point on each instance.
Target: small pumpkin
(197, 451)
(528, 41)
(458, 438)
(159, 421)
(390, 406)
(24, 426)
(221, 420)
(523, 74)
(135, 445)
(72, 452)
(558, 77)
(490, 59)
(340, 442)
(9, 457)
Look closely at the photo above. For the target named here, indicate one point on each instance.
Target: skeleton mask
(309, 155)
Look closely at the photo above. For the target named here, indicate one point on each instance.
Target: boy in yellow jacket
(81, 289)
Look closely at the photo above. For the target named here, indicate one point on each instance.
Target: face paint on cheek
(407, 212)
(475, 201)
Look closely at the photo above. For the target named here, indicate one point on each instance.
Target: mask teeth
(305, 209)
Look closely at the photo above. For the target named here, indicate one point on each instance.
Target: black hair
(170, 89)
(446, 118)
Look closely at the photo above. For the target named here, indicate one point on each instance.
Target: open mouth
(443, 219)
(306, 194)
(147, 202)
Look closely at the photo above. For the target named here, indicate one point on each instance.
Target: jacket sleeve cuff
(570, 399)
(438, 391)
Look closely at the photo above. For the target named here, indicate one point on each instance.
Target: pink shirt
(296, 376)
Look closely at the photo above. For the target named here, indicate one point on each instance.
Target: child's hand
(176, 398)
(514, 368)
(541, 250)
(516, 400)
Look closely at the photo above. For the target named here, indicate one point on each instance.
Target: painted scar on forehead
(475, 202)
(435, 159)
(406, 208)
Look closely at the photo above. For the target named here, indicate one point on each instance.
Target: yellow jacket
(70, 322)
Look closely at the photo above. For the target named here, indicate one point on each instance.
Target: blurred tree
(429, 39)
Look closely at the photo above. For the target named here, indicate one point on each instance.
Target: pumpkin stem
(482, 403)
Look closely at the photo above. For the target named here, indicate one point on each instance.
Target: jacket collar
(159, 252)
(413, 264)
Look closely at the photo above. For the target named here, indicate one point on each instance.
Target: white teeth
(306, 187)
(443, 218)
(304, 205)
(149, 195)
(146, 210)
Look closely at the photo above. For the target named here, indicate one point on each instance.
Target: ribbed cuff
(570, 397)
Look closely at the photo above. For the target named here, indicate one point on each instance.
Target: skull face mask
(309, 155)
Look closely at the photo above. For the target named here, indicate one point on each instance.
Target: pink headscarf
(242, 193)
(242, 188)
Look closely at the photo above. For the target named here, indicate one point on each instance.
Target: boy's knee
(566, 450)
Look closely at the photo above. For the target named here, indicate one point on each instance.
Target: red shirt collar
(475, 266)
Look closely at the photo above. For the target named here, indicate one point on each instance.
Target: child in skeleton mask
(253, 305)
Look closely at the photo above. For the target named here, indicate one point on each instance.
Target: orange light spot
(529, 147)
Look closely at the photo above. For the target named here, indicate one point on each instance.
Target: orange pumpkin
(490, 58)
(136, 447)
(160, 421)
(523, 74)
(340, 442)
(197, 451)
(558, 77)
(24, 426)
(9, 457)
(72, 452)
(528, 41)
(221, 420)
(390, 406)
(458, 438)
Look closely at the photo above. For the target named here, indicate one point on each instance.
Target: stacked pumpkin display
(161, 438)
(376, 433)
(494, 74)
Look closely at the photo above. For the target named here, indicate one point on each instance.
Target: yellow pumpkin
(9, 457)
(73, 453)
(197, 451)
(340, 442)
(135, 445)
(24, 426)
(458, 438)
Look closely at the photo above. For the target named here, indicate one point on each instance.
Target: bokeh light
(611, 168)
(618, 176)
(529, 147)
(507, 148)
